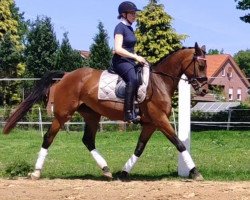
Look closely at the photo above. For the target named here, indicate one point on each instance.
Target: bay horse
(77, 91)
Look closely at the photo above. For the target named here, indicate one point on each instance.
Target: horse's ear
(197, 48)
(196, 45)
(203, 48)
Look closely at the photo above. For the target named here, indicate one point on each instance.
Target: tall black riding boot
(130, 115)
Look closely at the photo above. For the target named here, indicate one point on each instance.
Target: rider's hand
(141, 60)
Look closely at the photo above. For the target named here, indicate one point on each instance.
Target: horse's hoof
(106, 173)
(195, 175)
(123, 176)
(35, 175)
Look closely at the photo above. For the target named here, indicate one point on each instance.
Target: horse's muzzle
(200, 85)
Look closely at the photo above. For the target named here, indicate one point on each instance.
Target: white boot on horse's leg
(124, 175)
(193, 171)
(102, 163)
(39, 164)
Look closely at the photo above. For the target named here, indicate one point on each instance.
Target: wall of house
(234, 87)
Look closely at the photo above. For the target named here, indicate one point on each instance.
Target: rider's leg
(130, 92)
(128, 73)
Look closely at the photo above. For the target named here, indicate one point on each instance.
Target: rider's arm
(123, 52)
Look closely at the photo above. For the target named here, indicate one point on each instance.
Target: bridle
(196, 81)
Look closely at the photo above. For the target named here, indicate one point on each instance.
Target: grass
(220, 155)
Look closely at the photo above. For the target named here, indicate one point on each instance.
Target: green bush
(238, 114)
(18, 169)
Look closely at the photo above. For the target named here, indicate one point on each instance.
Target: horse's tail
(39, 91)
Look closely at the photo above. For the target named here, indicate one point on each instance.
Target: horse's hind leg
(47, 141)
(92, 119)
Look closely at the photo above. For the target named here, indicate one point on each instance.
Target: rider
(124, 58)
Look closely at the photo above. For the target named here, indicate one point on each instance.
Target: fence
(231, 119)
(38, 118)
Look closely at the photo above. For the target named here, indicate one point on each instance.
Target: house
(85, 54)
(225, 76)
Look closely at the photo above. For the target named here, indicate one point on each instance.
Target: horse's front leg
(92, 119)
(147, 131)
(47, 141)
(166, 128)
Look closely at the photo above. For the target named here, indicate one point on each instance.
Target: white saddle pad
(108, 81)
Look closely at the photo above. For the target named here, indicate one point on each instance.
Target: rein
(165, 74)
(189, 80)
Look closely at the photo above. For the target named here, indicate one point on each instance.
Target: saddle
(120, 87)
(112, 87)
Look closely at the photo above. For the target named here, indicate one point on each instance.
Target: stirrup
(136, 120)
(131, 117)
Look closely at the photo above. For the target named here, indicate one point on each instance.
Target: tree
(68, 59)
(242, 58)
(41, 47)
(7, 22)
(9, 60)
(244, 5)
(12, 22)
(22, 27)
(100, 52)
(155, 36)
(215, 51)
(12, 31)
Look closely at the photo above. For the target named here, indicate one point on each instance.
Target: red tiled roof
(214, 63)
(84, 54)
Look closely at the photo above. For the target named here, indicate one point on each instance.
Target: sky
(213, 23)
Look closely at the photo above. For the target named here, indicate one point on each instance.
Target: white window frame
(230, 74)
(223, 72)
(239, 94)
(230, 94)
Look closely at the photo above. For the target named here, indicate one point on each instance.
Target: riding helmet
(127, 6)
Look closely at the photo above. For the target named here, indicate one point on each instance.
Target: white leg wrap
(98, 158)
(187, 159)
(130, 163)
(41, 157)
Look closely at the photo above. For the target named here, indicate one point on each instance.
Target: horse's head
(195, 69)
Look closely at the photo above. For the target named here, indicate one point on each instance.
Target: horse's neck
(163, 85)
(171, 72)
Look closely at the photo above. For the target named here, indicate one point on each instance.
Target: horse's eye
(202, 65)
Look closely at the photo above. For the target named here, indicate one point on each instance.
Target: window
(223, 72)
(239, 94)
(230, 72)
(230, 94)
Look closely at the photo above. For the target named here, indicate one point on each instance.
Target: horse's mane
(169, 54)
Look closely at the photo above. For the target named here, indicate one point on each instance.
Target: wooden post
(40, 120)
